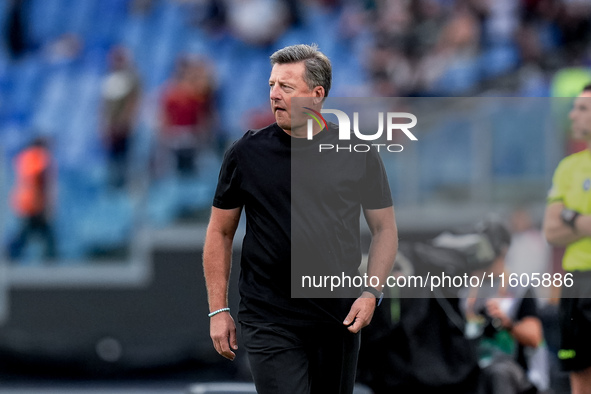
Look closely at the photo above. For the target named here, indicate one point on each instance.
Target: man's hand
(494, 310)
(361, 312)
(223, 334)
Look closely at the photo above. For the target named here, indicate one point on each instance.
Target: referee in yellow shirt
(567, 222)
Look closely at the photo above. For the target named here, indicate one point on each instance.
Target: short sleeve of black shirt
(228, 194)
(375, 187)
(528, 306)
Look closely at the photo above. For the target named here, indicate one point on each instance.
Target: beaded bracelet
(219, 311)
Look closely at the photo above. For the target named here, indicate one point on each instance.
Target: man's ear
(318, 95)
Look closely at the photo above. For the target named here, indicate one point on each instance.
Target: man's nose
(275, 93)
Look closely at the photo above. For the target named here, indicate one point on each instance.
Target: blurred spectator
(258, 22)
(459, 46)
(65, 49)
(141, 7)
(209, 14)
(16, 28)
(529, 252)
(575, 29)
(31, 198)
(500, 19)
(416, 43)
(458, 43)
(506, 322)
(389, 61)
(121, 93)
(188, 116)
(417, 342)
(392, 71)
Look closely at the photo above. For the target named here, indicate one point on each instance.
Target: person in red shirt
(30, 198)
(187, 116)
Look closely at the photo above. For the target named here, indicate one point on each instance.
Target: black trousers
(31, 226)
(301, 360)
(575, 323)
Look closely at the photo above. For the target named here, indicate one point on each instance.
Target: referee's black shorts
(575, 323)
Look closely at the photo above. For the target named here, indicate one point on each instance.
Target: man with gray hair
(302, 212)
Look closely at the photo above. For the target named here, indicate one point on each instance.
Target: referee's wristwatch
(569, 216)
(378, 294)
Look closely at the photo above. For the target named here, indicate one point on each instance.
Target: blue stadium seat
(444, 155)
(45, 19)
(52, 102)
(75, 194)
(3, 12)
(461, 76)
(108, 223)
(133, 32)
(27, 82)
(518, 141)
(498, 60)
(161, 207)
(82, 16)
(294, 36)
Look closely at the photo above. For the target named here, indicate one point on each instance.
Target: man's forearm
(382, 254)
(528, 332)
(217, 257)
(561, 235)
(555, 230)
(583, 226)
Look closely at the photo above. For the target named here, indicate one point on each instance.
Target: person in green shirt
(567, 222)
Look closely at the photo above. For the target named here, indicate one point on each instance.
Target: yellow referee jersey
(571, 185)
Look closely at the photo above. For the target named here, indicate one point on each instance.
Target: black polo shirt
(302, 210)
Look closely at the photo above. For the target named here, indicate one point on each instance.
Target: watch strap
(378, 294)
(568, 217)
